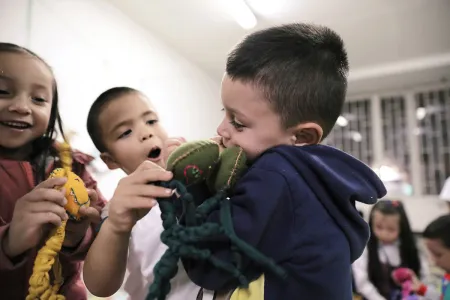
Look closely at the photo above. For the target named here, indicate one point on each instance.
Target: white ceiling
(384, 38)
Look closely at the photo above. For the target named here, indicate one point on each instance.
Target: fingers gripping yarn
(65, 155)
(47, 257)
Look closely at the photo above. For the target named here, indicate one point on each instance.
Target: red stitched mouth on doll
(154, 154)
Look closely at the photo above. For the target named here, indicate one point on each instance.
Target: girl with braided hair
(29, 206)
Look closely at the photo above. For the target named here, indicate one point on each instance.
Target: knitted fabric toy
(403, 276)
(201, 164)
(47, 257)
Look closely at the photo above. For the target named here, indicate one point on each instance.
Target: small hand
(416, 283)
(171, 144)
(32, 215)
(135, 196)
(219, 141)
(76, 230)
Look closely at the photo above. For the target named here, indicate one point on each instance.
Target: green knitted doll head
(202, 160)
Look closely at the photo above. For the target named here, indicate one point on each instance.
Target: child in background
(29, 204)
(282, 92)
(125, 128)
(437, 240)
(391, 245)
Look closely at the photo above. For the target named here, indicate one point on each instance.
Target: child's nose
(222, 131)
(146, 132)
(20, 105)
(146, 136)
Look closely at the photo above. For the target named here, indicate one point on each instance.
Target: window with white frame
(395, 133)
(353, 131)
(433, 123)
(405, 131)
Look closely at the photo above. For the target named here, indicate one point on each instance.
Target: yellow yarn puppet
(47, 257)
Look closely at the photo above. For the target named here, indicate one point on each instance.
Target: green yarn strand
(182, 239)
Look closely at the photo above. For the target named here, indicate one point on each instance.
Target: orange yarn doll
(47, 257)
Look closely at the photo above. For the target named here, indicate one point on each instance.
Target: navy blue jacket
(297, 206)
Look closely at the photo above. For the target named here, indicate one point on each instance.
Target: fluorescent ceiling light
(421, 113)
(268, 7)
(342, 121)
(240, 11)
(388, 173)
(356, 136)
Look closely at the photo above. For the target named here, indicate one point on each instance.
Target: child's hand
(218, 140)
(416, 283)
(76, 230)
(135, 195)
(41, 206)
(171, 144)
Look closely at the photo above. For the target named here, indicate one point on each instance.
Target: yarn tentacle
(182, 239)
(47, 258)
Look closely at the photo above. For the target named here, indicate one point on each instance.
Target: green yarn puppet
(200, 166)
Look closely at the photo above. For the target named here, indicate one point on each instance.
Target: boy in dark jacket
(282, 92)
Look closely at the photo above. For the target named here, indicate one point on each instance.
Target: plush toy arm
(252, 210)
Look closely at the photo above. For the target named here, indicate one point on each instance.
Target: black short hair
(439, 229)
(301, 69)
(93, 126)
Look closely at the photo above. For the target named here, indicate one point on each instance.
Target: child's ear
(306, 134)
(109, 161)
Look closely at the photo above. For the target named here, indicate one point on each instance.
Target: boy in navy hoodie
(282, 92)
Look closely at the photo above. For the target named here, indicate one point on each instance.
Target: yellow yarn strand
(65, 155)
(47, 257)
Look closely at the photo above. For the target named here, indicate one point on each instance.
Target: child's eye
(125, 134)
(38, 99)
(237, 125)
(4, 92)
(151, 122)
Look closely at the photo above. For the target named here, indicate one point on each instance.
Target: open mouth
(72, 193)
(16, 124)
(75, 199)
(154, 154)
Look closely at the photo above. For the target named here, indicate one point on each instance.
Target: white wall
(92, 46)
(420, 210)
